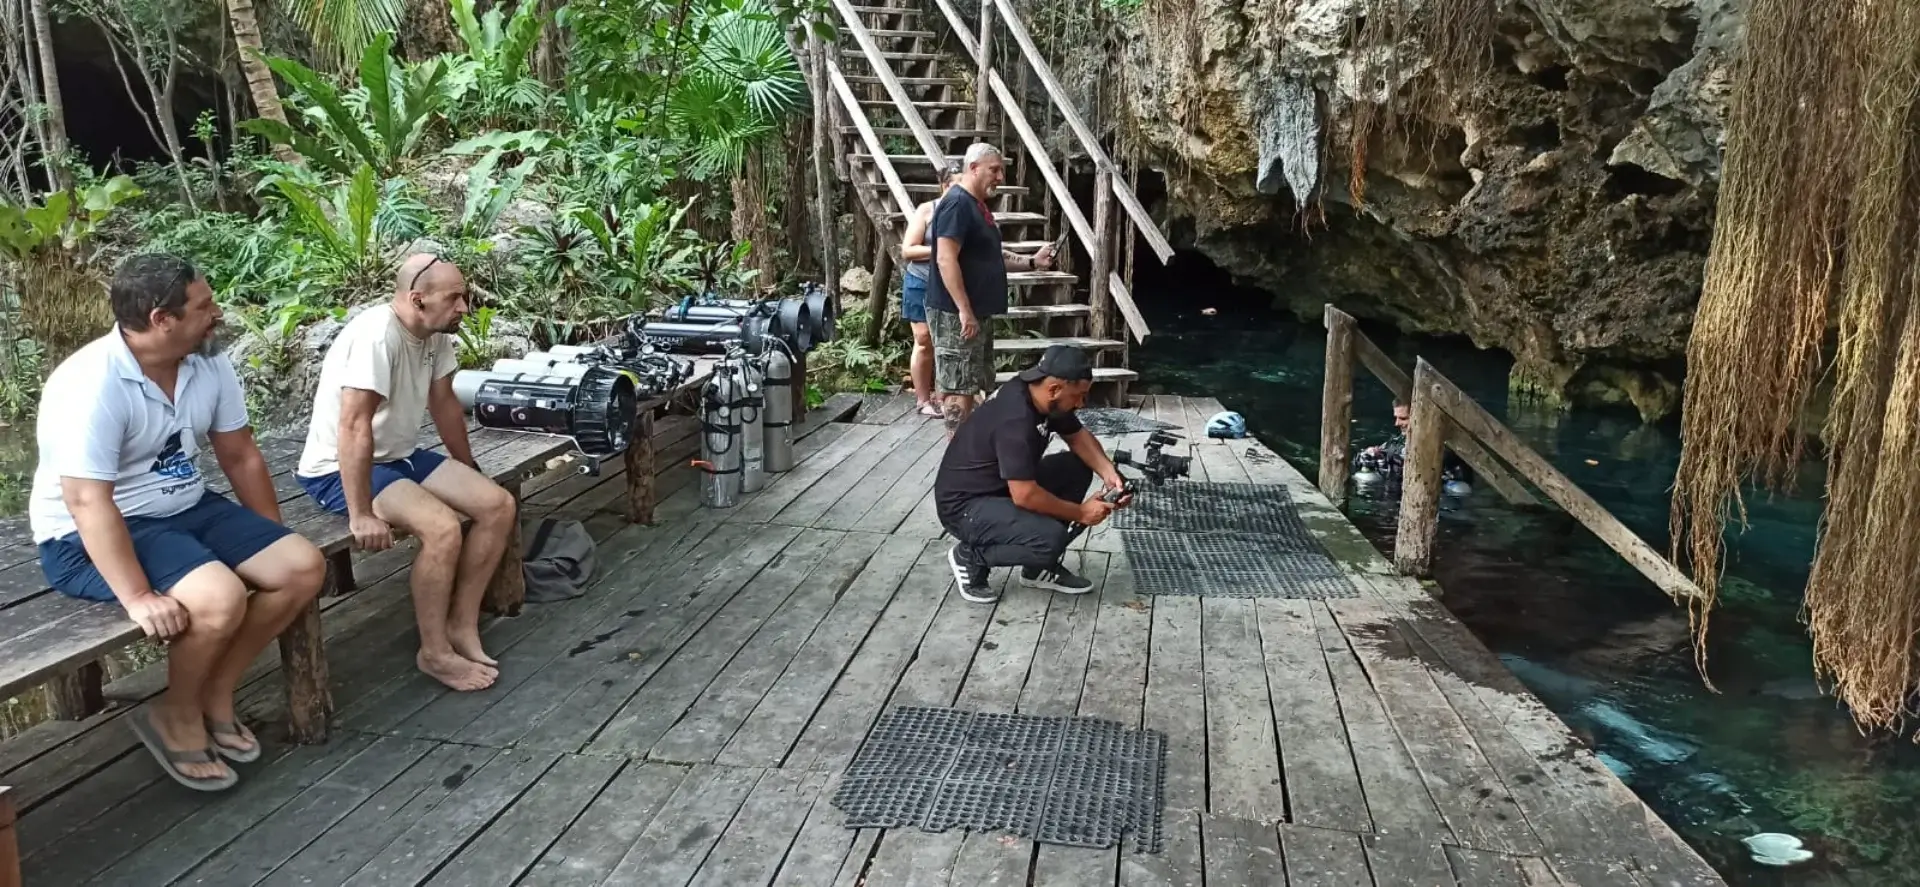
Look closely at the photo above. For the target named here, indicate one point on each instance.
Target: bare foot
(183, 730)
(456, 671)
(471, 648)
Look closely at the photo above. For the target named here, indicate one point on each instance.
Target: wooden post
(882, 288)
(341, 563)
(985, 72)
(822, 149)
(1099, 291)
(799, 387)
(507, 590)
(1336, 406)
(303, 663)
(9, 843)
(640, 468)
(1420, 486)
(78, 694)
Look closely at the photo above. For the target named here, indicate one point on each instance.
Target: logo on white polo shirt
(173, 461)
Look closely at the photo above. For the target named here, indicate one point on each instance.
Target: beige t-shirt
(374, 352)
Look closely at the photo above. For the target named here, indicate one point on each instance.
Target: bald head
(430, 294)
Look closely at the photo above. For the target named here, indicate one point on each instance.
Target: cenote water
(1593, 639)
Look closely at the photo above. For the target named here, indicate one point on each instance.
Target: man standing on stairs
(969, 286)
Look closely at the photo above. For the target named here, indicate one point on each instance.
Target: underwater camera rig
(705, 324)
(590, 394)
(1157, 468)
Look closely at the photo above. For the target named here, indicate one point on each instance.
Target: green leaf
(376, 70)
(363, 203)
(307, 209)
(343, 121)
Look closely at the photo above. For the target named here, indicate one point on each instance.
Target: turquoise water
(1598, 643)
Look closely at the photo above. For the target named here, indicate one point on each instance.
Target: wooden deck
(685, 722)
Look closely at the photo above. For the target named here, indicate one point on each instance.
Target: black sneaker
(1055, 578)
(972, 579)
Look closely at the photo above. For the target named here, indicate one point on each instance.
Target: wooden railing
(1441, 416)
(850, 24)
(1105, 287)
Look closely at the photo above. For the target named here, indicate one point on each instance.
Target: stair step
(1049, 311)
(902, 159)
(886, 10)
(932, 188)
(1100, 374)
(856, 52)
(1040, 278)
(999, 218)
(907, 81)
(1020, 246)
(937, 133)
(886, 32)
(1024, 344)
(937, 106)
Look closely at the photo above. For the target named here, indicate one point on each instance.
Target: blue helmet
(1227, 424)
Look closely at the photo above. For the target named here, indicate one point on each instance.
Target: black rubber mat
(1229, 565)
(1081, 782)
(1255, 510)
(1111, 422)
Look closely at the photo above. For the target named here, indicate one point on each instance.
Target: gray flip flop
(222, 728)
(142, 724)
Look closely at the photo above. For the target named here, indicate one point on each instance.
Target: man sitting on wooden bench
(120, 512)
(363, 459)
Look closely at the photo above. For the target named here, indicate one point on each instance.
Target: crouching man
(1006, 503)
(390, 367)
(121, 513)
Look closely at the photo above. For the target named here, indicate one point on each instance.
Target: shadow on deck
(686, 721)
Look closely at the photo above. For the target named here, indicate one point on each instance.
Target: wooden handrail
(1037, 151)
(1436, 400)
(1345, 345)
(867, 135)
(936, 155)
(1088, 141)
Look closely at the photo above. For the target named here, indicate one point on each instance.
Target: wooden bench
(47, 637)
(9, 845)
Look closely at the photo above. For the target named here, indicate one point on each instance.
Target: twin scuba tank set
(746, 425)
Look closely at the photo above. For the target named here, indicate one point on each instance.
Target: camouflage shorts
(960, 365)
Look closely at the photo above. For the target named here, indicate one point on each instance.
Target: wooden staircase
(909, 88)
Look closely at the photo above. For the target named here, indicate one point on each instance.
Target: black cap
(1063, 362)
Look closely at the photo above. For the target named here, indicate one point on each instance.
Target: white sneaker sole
(960, 579)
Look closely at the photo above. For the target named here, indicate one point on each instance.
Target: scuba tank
(720, 438)
(753, 441)
(777, 416)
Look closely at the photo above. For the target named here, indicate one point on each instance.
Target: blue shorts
(913, 298)
(168, 548)
(327, 491)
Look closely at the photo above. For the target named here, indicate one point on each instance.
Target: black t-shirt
(964, 218)
(1003, 440)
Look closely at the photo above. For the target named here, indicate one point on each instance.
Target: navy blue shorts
(214, 529)
(913, 298)
(327, 491)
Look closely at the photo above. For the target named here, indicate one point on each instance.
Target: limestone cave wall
(1557, 206)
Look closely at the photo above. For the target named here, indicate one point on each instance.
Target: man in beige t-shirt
(389, 366)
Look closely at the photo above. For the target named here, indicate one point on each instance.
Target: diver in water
(1387, 461)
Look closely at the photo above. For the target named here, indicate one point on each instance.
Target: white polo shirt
(101, 418)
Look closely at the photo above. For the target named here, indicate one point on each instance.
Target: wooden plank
(1178, 864)
(579, 718)
(846, 477)
(1221, 464)
(945, 656)
(9, 843)
(824, 847)
(683, 674)
(1060, 658)
(595, 842)
(782, 489)
(841, 722)
(673, 847)
(431, 841)
(1000, 668)
(756, 842)
(510, 845)
(1176, 699)
(1480, 867)
(891, 507)
(1397, 798)
(724, 707)
(913, 858)
(197, 831)
(1240, 851)
(1243, 755)
(872, 490)
(1476, 805)
(784, 712)
(991, 859)
(1406, 858)
(1319, 857)
(904, 103)
(1323, 785)
(1117, 666)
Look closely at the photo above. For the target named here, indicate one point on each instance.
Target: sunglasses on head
(414, 284)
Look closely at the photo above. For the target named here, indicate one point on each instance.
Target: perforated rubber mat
(1080, 782)
(1260, 510)
(1108, 422)
(1229, 565)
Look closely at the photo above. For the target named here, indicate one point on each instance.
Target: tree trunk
(266, 96)
(750, 215)
(56, 144)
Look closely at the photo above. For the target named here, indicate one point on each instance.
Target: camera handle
(1075, 528)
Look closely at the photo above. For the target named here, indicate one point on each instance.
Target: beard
(213, 345)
